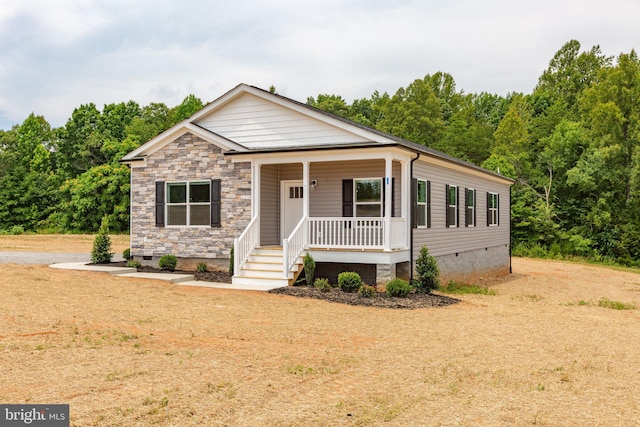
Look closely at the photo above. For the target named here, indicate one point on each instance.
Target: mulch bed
(381, 300)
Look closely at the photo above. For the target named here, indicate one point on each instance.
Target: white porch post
(255, 191)
(306, 189)
(388, 202)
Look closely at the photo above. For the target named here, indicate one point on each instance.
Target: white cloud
(58, 55)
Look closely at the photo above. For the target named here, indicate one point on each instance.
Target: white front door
(291, 206)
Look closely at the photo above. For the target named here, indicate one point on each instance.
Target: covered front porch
(343, 206)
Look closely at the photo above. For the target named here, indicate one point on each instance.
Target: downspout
(411, 214)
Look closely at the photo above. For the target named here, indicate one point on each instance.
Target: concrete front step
(259, 282)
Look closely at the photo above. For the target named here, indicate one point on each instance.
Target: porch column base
(384, 273)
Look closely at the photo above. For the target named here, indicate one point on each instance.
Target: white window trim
(473, 208)
(455, 215)
(187, 203)
(423, 205)
(493, 212)
(355, 197)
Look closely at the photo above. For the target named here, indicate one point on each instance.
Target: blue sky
(55, 56)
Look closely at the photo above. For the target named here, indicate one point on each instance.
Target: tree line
(572, 146)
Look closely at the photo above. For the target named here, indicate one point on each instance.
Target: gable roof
(250, 120)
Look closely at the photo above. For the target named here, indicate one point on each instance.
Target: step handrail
(243, 245)
(293, 246)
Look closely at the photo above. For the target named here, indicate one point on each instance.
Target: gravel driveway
(44, 257)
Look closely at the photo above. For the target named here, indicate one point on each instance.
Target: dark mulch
(215, 276)
(381, 300)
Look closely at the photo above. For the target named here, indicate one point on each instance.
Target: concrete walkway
(178, 279)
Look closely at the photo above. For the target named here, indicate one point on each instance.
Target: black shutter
(497, 209)
(347, 197)
(488, 210)
(216, 220)
(446, 204)
(159, 203)
(414, 202)
(466, 207)
(457, 206)
(428, 204)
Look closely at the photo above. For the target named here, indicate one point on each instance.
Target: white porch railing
(243, 245)
(399, 233)
(354, 233)
(293, 246)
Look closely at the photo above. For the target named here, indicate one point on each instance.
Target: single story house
(274, 179)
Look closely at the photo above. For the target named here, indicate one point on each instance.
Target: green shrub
(309, 268)
(126, 254)
(101, 251)
(427, 272)
(322, 284)
(349, 281)
(202, 267)
(168, 262)
(133, 264)
(16, 230)
(367, 291)
(398, 288)
(231, 261)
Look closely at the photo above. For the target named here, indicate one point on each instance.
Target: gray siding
(271, 175)
(444, 241)
(326, 198)
(269, 205)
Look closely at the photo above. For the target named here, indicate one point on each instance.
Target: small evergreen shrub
(101, 251)
(231, 261)
(322, 284)
(427, 272)
(367, 291)
(168, 262)
(349, 281)
(398, 288)
(126, 254)
(16, 230)
(309, 268)
(202, 267)
(133, 264)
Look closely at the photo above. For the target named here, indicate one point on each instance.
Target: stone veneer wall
(189, 158)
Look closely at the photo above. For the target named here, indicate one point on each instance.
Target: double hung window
(452, 205)
(493, 202)
(368, 197)
(189, 203)
(422, 202)
(470, 207)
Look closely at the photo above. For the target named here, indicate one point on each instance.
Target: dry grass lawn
(136, 352)
(66, 243)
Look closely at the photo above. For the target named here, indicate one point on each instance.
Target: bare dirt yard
(545, 350)
(65, 243)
